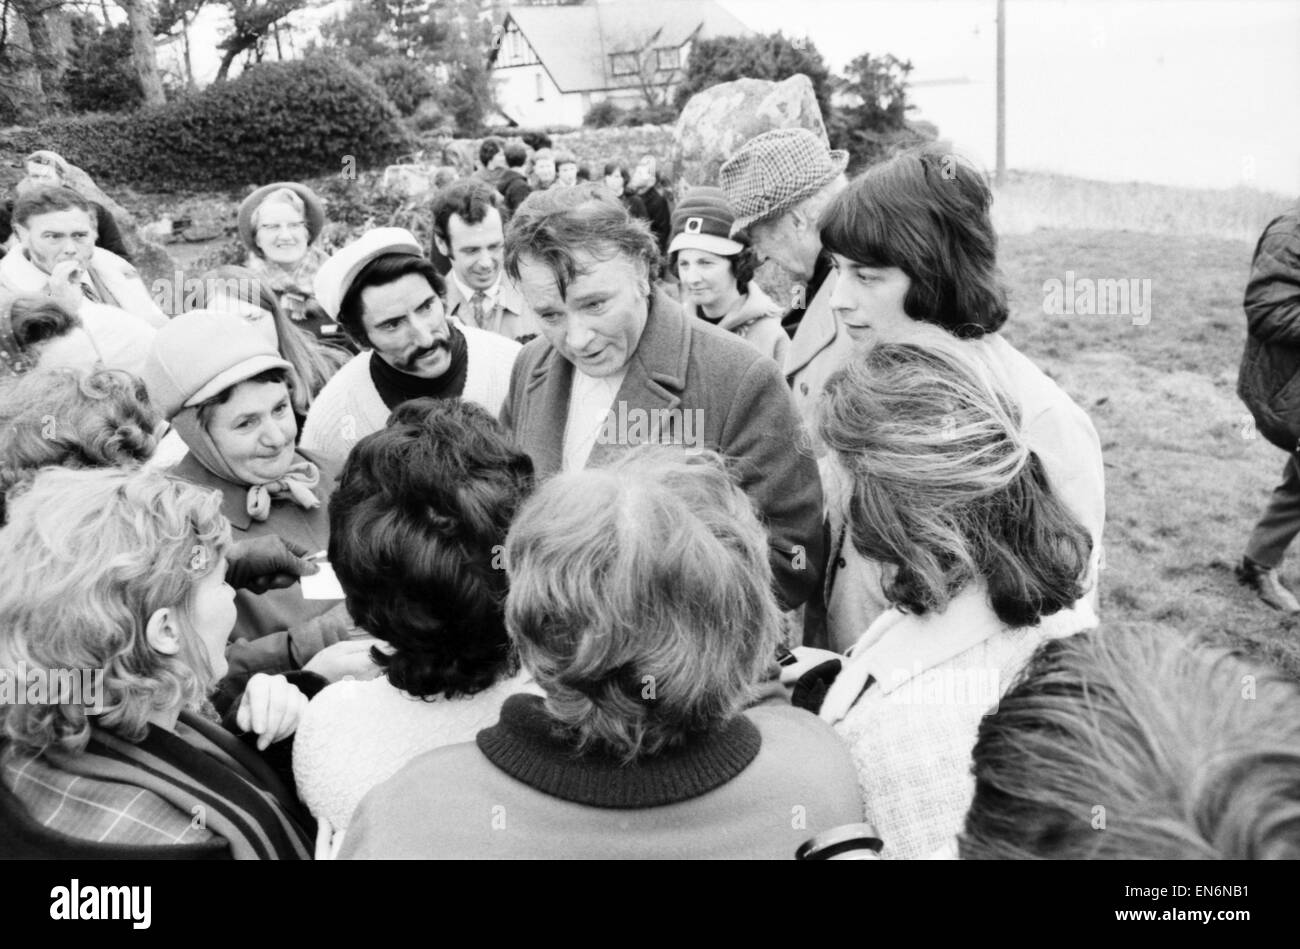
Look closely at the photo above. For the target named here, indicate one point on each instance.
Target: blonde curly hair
(88, 557)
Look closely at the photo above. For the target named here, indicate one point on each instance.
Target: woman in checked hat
(716, 273)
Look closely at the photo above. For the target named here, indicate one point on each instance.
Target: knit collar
(396, 387)
(529, 745)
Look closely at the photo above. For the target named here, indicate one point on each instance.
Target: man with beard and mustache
(389, 298)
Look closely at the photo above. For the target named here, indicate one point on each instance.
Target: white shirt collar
(467, 294)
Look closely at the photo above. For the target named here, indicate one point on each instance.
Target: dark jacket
(267, 616)
(660, 214)
(250, 797)
(745, 409)
(1269, 381)
(514, 188)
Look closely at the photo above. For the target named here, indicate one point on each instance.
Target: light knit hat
(775, 171)
(200, 354)
(335, 276)
(702, 221)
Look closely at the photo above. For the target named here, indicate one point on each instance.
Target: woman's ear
(162, 633)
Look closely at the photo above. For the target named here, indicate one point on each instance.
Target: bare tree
(252, 20)
(144, 57)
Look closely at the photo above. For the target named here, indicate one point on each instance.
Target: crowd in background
(560, 537)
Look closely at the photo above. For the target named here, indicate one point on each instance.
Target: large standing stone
(718, 120)
(149, 257)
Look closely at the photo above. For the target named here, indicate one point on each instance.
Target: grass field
(1186, 475)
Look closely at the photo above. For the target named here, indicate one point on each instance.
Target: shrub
(602, 115)
(276, 121)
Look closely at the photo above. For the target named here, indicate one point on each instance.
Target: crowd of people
(561, 538)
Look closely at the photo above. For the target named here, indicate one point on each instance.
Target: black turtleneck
(396, 387)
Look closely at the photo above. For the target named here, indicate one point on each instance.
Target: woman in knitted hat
(279, 224)
(716, 273)
(225, 389)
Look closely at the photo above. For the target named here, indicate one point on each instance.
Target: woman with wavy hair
(73, 419)
(641, 603)
(417, 525)
(981, 561)
(114, 615)
(1140, 744)
(915, 259)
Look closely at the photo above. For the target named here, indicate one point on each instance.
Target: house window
(666, 59)
(624, 64)
(537, 77)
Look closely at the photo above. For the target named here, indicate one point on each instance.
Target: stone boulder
(718, 120)
(149, 257)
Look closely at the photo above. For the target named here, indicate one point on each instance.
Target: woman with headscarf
(225, 390)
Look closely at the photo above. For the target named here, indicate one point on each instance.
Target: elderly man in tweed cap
(779, 183)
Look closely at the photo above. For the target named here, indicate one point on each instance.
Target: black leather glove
(266, 563)
(810, 691)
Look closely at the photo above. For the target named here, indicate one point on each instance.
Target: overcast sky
(1203, 93)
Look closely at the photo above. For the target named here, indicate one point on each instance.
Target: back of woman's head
(88, 557)
(926, 212)
(944, 485)
(641, 600)
(1139, 743)
(73, 419)
(417, 527)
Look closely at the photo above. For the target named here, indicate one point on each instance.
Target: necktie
(476, 302)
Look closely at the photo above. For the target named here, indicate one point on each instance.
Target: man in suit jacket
(468, 229)
(617, 366)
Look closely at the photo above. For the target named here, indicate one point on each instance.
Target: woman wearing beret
(279, 224)
(716, 272)
(225, 390)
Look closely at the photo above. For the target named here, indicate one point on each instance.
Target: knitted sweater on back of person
(349, 407)
(758, 788)
(356, 735)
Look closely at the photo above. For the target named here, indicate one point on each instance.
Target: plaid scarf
(196, 777)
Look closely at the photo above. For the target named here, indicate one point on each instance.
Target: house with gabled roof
(551, 64)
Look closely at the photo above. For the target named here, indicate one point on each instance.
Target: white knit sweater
(349, 407)
(356, 735)
(912, 732)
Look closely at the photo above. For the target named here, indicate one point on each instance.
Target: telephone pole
(1000, 176)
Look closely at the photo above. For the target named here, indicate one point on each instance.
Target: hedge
(276, 121)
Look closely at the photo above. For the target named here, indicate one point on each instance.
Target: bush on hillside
(276, 121)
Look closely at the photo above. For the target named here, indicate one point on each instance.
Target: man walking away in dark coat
(1269, 384)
